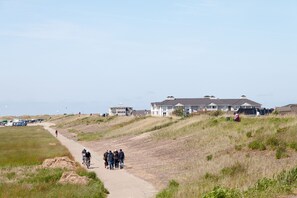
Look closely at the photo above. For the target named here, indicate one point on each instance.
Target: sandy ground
(120, 183)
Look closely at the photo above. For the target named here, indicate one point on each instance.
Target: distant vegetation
(21, 150)
(90, 128)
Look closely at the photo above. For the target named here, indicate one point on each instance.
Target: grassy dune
(89, 128)
(233, 155)
(21, 150)
(202, 152)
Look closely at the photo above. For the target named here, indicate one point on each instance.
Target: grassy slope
(224, 156)
(21, 149)
(95, 127)
(204, 151)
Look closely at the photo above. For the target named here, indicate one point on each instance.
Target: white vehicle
(9, 123)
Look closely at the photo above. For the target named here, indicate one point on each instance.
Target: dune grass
(213, 155)
(22, 149)
(241, 153)
(126, 127)
(72, 121)
(283, 183)
(44, 183)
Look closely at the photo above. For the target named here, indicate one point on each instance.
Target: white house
(120, 111)
(208, 103)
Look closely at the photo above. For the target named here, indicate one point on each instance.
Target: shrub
(249, 134)
(220, 192)
(10, 175)
(209, 157)
(216, 113)
(169, 191)
(280, 152)
(257, 145)
(273, 142)
(281, 130)
(288, 177)
(233, 170)
(179, 112)
(293, 145)
(238, 147)
(263, 184)
(211, 177)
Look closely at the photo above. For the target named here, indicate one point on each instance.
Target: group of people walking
(114, 159)
(111, 159)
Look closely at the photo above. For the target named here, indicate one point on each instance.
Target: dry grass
(89, 128)
(179, 150)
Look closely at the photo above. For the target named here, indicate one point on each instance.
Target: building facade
(208, 103)
(288, 109)
(120, 111)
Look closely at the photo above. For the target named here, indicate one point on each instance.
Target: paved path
(119, 183)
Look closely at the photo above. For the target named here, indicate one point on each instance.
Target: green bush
(179, 112)
(249, 134)
(83, 172)
(233, 170)
(220, 192)
(257, 145)
(288, 177)
(280, 152)
(211, 177)
(273, 142)
(169, 191)
(264, 184)
(293, 145)
(209, 157)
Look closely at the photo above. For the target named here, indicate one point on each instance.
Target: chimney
(170, 98)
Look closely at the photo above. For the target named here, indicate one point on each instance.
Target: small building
(288, 109)
(120, 111)
(141, 112)
(207, 103)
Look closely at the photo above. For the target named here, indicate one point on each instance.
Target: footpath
(119, 183)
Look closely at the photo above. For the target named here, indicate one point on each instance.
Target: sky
(84, 56)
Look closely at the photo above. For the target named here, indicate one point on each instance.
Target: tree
(179, 111)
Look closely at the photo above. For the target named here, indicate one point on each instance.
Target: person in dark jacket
(88, 158)
(116, 159)
(121, 158)
(110, 160)
(83, 153)
(105, 155)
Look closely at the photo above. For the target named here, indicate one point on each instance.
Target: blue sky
(70, 56)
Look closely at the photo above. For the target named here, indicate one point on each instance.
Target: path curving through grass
(119, 183)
